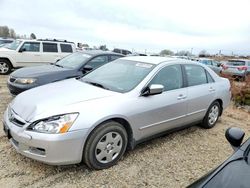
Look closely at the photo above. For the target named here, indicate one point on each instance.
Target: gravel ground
(175, 160)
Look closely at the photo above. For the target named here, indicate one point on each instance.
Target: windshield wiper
(58, 65)
(97, 85)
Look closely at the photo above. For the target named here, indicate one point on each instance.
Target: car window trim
(33, 43)
(187, 77)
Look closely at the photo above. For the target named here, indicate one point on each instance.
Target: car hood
(3, 49)
(38, 71)
(55, 96)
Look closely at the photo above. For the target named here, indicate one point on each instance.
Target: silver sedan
(96, 118)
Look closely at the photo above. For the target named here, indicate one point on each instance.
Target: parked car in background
(214, 65)
(96, 118)
(72, 66)
(4, 41)
(235, 171)
(25, 53)
(122, 51)
(238, 68)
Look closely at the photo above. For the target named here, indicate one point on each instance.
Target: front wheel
(5, 67)
(212, 115)
(105, 146)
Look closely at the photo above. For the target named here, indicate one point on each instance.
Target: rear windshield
(236, 63)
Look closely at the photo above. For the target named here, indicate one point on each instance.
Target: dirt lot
(174, 160)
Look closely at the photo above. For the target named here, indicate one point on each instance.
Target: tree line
(6, 32)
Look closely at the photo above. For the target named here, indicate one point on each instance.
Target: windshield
(119, 75)
(236, 62)
(74, 60)
(14, 45)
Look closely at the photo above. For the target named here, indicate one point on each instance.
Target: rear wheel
(212, 115)
(5, 67)
(105, 146)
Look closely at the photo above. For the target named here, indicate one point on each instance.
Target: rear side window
(50, 47)
(31, 47)
(236, 63)
(196, 75)
(66, 48)
(209, 78)
(98, 61)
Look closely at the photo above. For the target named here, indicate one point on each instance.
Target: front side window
(196, 75)
(31, 47)
(50, 47)
(98, 61)
(170, 77)
(114, 57)
(67, 48)
(75, 60)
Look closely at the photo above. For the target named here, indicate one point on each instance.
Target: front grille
(12, 79)
(17, 122)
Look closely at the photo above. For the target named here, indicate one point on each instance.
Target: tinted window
(31, 47)
(98, 61)
(66, 48)
(236, 63)
(114, 57)
(196, 75)
(50, 47)
(75, 60)
(170, 77)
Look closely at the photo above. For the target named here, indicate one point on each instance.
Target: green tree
(32, 36)
(4, 31)
(166, 52)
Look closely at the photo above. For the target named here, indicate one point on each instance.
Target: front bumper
(15, 89)
(53, 149)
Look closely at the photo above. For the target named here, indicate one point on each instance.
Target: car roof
(150, 59)
(99, 52)
(205, 59)
(246, 60)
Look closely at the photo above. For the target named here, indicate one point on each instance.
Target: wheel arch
(221, 105)
(120, 120)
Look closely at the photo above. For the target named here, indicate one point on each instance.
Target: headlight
(25, 80)
(55, 124)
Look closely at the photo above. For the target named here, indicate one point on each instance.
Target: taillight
(242, 68)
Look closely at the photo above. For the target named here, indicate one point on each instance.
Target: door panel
(30, 55)
(159, 112)
(200, 92)
(163, 111)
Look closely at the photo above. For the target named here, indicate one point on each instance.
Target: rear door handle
(211, 89)
(181, 96)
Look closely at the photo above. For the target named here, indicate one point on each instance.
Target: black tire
(209, 122)
(98, 135)
(5, 67)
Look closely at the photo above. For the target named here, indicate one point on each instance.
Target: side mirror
(234, 136)
(87, 68)
(22, 50)
(153, 89)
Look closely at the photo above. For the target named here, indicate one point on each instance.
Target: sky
(139, 25)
